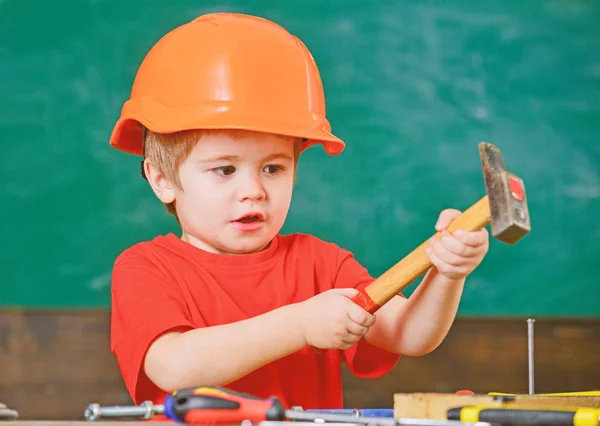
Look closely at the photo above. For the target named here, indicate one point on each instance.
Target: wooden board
(80, 423)
(436, 405)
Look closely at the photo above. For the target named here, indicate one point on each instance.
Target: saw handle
(416, 263)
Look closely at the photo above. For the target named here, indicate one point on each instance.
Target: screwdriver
(203, 405)
(215, 405)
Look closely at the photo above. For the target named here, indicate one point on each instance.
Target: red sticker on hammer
(516, 189)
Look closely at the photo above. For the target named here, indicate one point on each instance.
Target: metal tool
(530, 357)
(504, 205)
(146, 410)
(220, 406)
(7, 414)
(345, 419)
(379, 421)
(356, 412)
(201, 405)
(295, 423)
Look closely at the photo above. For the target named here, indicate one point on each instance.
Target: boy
(221, 109)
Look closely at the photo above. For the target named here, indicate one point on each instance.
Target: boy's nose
(251, 188)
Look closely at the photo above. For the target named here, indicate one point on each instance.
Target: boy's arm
(179, 360)
(217, 355)
(418, 325)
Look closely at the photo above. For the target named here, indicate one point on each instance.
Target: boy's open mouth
(250, 218)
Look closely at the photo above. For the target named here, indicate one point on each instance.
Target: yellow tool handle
(583, 416)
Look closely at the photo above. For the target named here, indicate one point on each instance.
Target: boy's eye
(224, 171)
(273, 168)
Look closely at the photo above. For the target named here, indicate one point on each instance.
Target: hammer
(504, 205)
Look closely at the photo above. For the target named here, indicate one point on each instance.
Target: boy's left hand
(456, 255)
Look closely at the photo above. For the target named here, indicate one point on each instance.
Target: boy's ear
(161, 186)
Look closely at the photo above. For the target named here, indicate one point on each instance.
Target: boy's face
(235, 193)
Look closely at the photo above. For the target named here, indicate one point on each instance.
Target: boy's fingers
(456, 246)
(446, 216)
(346, 345)
(371, 320)
(473, 239)
(445, 255)
(348, 292)
(356, 329)
(360, 316)
(350, 340)
(435, 260)
(432, 257)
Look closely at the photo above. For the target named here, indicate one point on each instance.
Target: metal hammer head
(506, 193)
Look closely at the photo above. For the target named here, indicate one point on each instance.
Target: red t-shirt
(167, 284)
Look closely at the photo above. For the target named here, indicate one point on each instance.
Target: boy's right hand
(331, 320)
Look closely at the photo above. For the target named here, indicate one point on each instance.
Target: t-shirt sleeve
(145, 305)
(363, 359)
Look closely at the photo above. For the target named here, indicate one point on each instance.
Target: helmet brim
(138, 114)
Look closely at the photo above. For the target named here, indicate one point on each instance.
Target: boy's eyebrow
(236, 157)
(219, 158)
(278, 155)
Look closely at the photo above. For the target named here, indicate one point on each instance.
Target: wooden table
(78, 423)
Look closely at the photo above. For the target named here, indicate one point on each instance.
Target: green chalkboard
(412, 87)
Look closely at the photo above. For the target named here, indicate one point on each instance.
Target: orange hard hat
(227, 71)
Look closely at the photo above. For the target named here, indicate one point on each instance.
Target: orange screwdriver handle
(210, 406)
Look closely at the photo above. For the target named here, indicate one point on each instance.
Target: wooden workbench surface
(77, 423)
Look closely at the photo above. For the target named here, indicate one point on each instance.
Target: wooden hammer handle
(416, 263)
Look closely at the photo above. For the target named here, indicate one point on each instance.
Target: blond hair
(167, 152)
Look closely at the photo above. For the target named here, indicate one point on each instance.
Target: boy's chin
(247, 245)
(248, 248)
